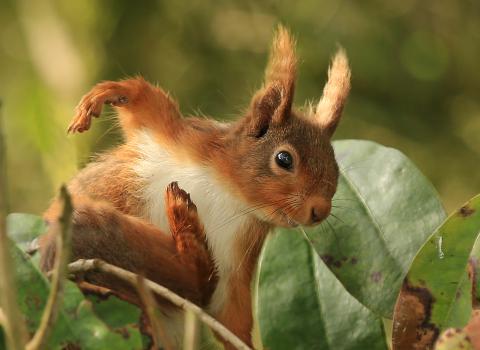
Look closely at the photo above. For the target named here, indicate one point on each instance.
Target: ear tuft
(282, 65)
(273, 103)
(335, 92)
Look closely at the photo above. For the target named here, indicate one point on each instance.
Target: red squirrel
(274, 166)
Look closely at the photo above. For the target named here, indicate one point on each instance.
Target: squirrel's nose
(320, 209)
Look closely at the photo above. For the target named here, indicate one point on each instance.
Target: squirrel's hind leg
(101, 231)
(138, 103)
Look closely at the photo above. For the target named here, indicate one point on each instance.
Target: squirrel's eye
(284, 160)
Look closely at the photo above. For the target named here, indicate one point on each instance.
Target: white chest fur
(217, 208)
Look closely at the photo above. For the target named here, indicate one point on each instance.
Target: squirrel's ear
(335, 92)
(273, 103)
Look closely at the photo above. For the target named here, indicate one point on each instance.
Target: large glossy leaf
(77, 322)
(301, 305)
(436, 293)
(383, 211)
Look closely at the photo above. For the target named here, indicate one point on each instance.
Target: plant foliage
(386, 252)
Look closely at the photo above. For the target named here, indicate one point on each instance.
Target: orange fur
(237, 312)
(335, 93)
(137, 97)
(110, 212)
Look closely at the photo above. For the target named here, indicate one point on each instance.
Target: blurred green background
(416, 81)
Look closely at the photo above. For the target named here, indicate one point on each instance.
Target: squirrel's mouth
(290, 222)
(278, 218)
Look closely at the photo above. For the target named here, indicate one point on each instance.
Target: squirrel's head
(285, 163)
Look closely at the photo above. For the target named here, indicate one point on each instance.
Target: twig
(83, 265)
(15, 330)
(63, 237)
(190, 341)
(3, 319)
(160, 336)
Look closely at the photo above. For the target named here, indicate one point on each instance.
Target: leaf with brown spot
(436, 293)
(466, 211)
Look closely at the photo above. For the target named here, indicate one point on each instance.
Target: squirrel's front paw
(112, 93)
(190, 239)
(182, 216)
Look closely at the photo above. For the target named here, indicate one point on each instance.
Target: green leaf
(114, 312)
(120, 316)
(77, 322)
(436, 293)
(32, 294)
(301, 305)
(383, 211)
(100, 336)
(24, 228)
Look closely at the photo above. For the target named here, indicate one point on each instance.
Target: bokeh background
(416, 76)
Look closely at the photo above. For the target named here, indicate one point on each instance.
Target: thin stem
(63, 238)
(190, 340)
(14, 327)
(3, 318)
(82, 265)
(160, 336)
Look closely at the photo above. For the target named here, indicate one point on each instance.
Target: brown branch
(160, 336)
(14, 327)
(82, 265)
(63, 237)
